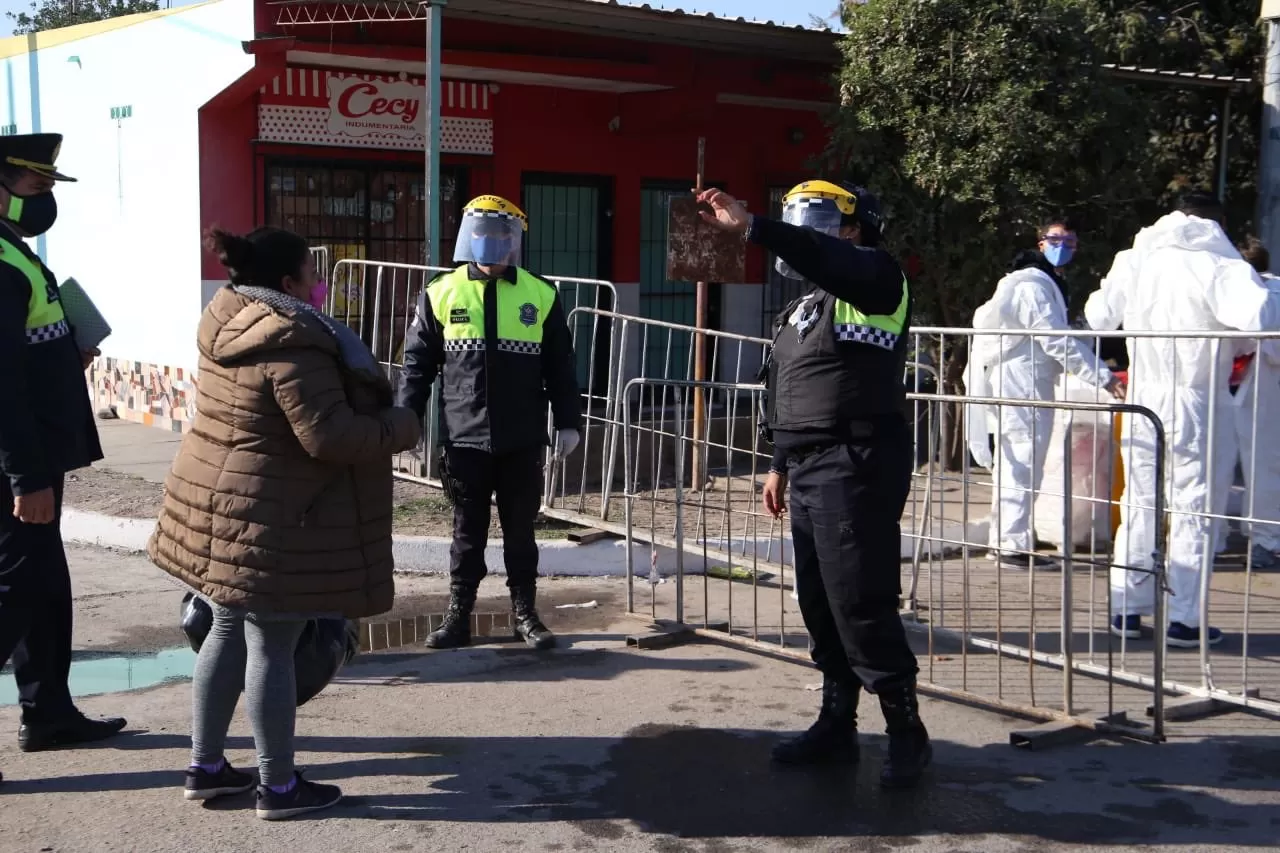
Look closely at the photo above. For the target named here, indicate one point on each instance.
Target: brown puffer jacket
(280, 497)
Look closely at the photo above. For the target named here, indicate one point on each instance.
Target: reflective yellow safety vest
(45, 318)
(881, 330)
(457, 300)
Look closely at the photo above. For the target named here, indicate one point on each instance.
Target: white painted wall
(129, 230)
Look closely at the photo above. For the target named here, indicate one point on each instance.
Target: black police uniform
(46, 430)
(494, 405)
(836, 413)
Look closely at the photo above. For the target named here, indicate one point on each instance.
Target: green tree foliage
(1220, 37)
(52, 14)
(977, 120)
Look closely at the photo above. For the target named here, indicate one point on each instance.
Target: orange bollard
(1117, 467)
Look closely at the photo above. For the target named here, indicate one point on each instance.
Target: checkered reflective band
(866, 335)
(51, 332)
(525, 347)
(465, 345)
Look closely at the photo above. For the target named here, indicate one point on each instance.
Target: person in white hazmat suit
(1021, 367)
(1182, 274)
(1259, 390)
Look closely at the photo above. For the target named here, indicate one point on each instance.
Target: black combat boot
(909, 749)
(833, 739)
(525, 623)
(455, 631)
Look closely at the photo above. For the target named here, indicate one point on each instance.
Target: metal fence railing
(1138, 462)
(970, 617)
(378, 300)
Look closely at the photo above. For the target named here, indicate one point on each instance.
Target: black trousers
(846, 505)
(35, 610)
(516, 480)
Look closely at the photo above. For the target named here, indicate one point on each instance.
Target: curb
(417, 554)
(430, 554)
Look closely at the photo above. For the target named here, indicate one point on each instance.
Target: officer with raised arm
(836, 405)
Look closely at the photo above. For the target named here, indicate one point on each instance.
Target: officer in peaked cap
(46, 430)
(36, 152)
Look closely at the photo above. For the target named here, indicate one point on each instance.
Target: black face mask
(33, 214)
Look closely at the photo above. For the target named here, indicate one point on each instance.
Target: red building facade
(585, 113)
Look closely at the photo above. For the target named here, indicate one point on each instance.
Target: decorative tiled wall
(150, 394)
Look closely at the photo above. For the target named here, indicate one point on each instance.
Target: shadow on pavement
(705, 784)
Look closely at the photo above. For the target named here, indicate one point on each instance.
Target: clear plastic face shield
(820, 214)
(488, 238)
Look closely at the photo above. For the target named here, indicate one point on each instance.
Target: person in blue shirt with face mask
(1020, 367)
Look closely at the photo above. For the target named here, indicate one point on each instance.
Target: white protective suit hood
(1019, 366)
(1179, 231)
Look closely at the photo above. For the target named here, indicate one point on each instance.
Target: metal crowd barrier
(581, 490)
(322, 259)
(378, 300)
(637, 381)
(973, 615)
(1235, 594)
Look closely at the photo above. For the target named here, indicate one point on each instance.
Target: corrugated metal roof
(642, 21)
(639, 21)
(1189, 77)
(694, 13)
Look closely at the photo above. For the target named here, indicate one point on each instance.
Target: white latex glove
(567, 441)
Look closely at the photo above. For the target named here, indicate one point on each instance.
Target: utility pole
(1269, 147)
(699, 353)
(435, 14)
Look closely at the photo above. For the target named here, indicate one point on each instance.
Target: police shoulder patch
(528, 314)
(459, 316)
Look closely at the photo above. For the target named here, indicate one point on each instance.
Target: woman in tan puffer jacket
(278, 507)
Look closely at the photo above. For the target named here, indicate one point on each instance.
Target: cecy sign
(375, 108)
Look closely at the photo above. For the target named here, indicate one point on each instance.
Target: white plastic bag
(1092, 461)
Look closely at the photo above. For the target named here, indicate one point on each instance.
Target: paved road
(597, 747)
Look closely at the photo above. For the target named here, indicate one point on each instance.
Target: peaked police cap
(35, 151)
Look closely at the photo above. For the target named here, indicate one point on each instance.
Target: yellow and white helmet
(820, 205)
(490, 232)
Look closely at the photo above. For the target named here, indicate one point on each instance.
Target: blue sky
(792, 12)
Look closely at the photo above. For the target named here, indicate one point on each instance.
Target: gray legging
(253, 653)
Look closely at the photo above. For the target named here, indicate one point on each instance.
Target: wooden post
(699, 353)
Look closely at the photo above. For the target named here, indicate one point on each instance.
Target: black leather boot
(455, 631)
(833, 739)
(525, 623)
(72, 730)
(909, 749)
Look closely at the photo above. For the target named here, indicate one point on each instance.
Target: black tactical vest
(820, 383)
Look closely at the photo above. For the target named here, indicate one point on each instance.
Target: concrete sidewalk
(600, 747)
(139, 451)
(147, 453)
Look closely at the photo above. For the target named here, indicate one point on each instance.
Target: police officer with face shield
(497, 336)
(46, 430)
(836, 416)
